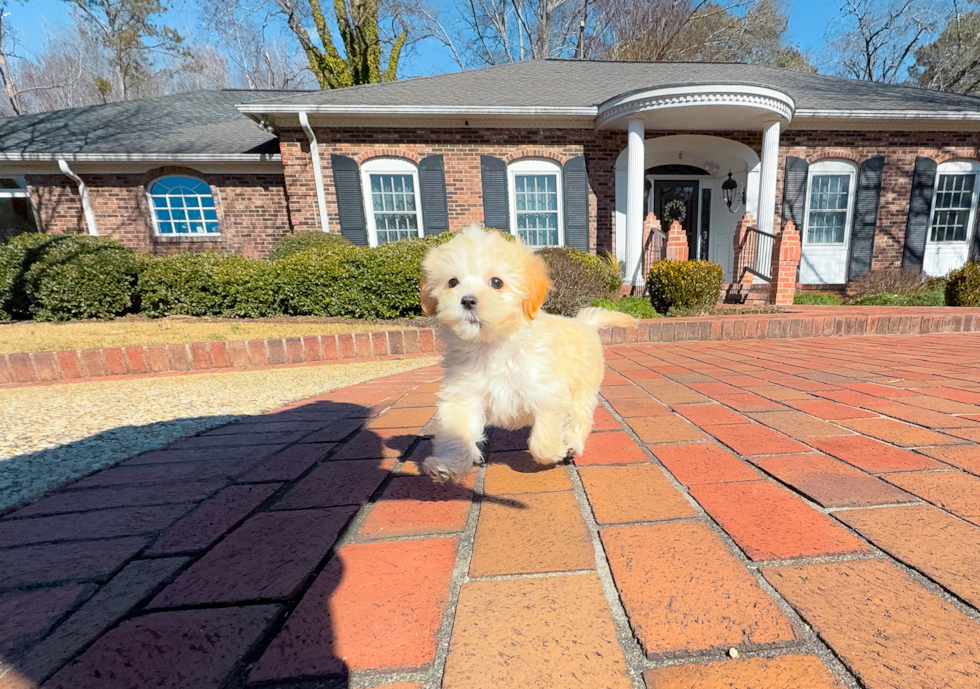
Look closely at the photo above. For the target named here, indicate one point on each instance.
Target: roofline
(890, 114)
(141, 157)
(434, 110)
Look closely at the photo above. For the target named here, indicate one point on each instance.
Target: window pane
(952, 207)
(394, 205)
(829, 199)
(536, 207)
(171, 195)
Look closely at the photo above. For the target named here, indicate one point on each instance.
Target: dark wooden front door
(678, 200)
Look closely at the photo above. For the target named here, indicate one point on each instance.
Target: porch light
(729, 189)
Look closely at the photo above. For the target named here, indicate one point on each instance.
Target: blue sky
(807, 23)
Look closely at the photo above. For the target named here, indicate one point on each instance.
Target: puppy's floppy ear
(536, 285)
(429, 303)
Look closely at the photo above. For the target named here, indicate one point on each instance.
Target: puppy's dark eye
(496, 283)
(453, 282)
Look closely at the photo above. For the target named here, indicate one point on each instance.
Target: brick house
(595, 155)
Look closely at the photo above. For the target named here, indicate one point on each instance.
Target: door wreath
(675, 210)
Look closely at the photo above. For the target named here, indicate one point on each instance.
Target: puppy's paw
(442, 470)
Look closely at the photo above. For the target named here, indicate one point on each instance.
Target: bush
(356, 282)
(687, 285)
(16, 257)
(303, 241)
(208, 284)
(963, 286)
(890, 281)
(601, 265)
(638, 307)
(816, 299)
(921, 298)
(574, 285)
(60, 277)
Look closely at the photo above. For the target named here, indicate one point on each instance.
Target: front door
(678, 200)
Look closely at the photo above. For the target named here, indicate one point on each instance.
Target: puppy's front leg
(456, 450)
(547, 444)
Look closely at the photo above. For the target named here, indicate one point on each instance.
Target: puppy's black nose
(468, 302)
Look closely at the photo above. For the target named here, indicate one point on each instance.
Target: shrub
(921, 298)
(688, 285)
(16, 257)
(963, 286)
(816, 299)
(207, 284)
(888, 280)
(574, 286)
(638, 307)
(59, 277)
(302, 241)
(356, 282)
(603, 266)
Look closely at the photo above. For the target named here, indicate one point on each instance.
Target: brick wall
(252, 210)
(462, 149)
(899, 150)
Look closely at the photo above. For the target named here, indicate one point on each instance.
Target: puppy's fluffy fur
(507, 364)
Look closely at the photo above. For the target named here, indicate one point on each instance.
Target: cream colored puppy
(507, 364)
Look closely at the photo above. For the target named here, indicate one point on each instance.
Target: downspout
(83, 193)
(321, 199)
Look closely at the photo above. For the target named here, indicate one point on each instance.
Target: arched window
(183, 205)
(535, 201)
(830, 202)
(391, 197)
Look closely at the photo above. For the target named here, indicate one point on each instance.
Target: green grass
(816, 299)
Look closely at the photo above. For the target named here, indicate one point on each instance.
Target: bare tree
(875, 41)
(952, 61)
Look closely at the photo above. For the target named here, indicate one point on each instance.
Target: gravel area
(53, 434)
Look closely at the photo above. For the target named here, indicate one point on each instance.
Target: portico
(706, 160)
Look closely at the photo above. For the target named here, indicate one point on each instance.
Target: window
(392, 200)
(535, 202)
(953, 202)
(16, 212)
(183, 205)
(830, 202)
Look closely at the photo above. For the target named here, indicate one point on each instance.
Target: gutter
(141, 157)
(953, 115)
(552, 111)
(83, 193)
(321, 199)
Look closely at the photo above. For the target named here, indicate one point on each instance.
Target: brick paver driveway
(812, 504)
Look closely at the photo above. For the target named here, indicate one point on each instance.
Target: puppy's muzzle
(468, 302)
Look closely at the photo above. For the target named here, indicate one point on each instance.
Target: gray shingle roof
(203, 123)
(574, 83)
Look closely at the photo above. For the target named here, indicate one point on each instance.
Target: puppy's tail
(600, 318)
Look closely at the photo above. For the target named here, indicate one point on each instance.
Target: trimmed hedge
(304, 241)
(574, 285)
(599, 265)
(63, 277)
(963, 286)
(684, 285)
(207, 284)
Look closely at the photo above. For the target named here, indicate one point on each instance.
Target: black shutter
(350, 201)
(920, 210)
(496, 213)
(794, 192)
(576, 183)
(432, 190)
(865, 217)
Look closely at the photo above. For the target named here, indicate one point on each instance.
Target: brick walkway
(814, 504)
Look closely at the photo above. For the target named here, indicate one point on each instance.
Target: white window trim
(535, 166)
(388, 166)
(831, 167)
(954, 167)
(20, 193)
(169, 235)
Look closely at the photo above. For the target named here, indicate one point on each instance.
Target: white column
(767, 178)
(635, 156)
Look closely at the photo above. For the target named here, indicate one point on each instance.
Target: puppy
(507, 364)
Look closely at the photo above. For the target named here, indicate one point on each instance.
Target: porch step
(737, 293)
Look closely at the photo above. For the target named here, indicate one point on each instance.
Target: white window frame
(535, 166)
(962, 167)
(20, 193)
(388, 166)
(156, 221)
(831, 167)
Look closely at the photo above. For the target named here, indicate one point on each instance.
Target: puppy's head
(481, 286)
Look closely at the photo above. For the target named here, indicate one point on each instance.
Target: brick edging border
(67, 365)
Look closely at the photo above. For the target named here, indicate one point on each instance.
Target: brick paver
(304, 548)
